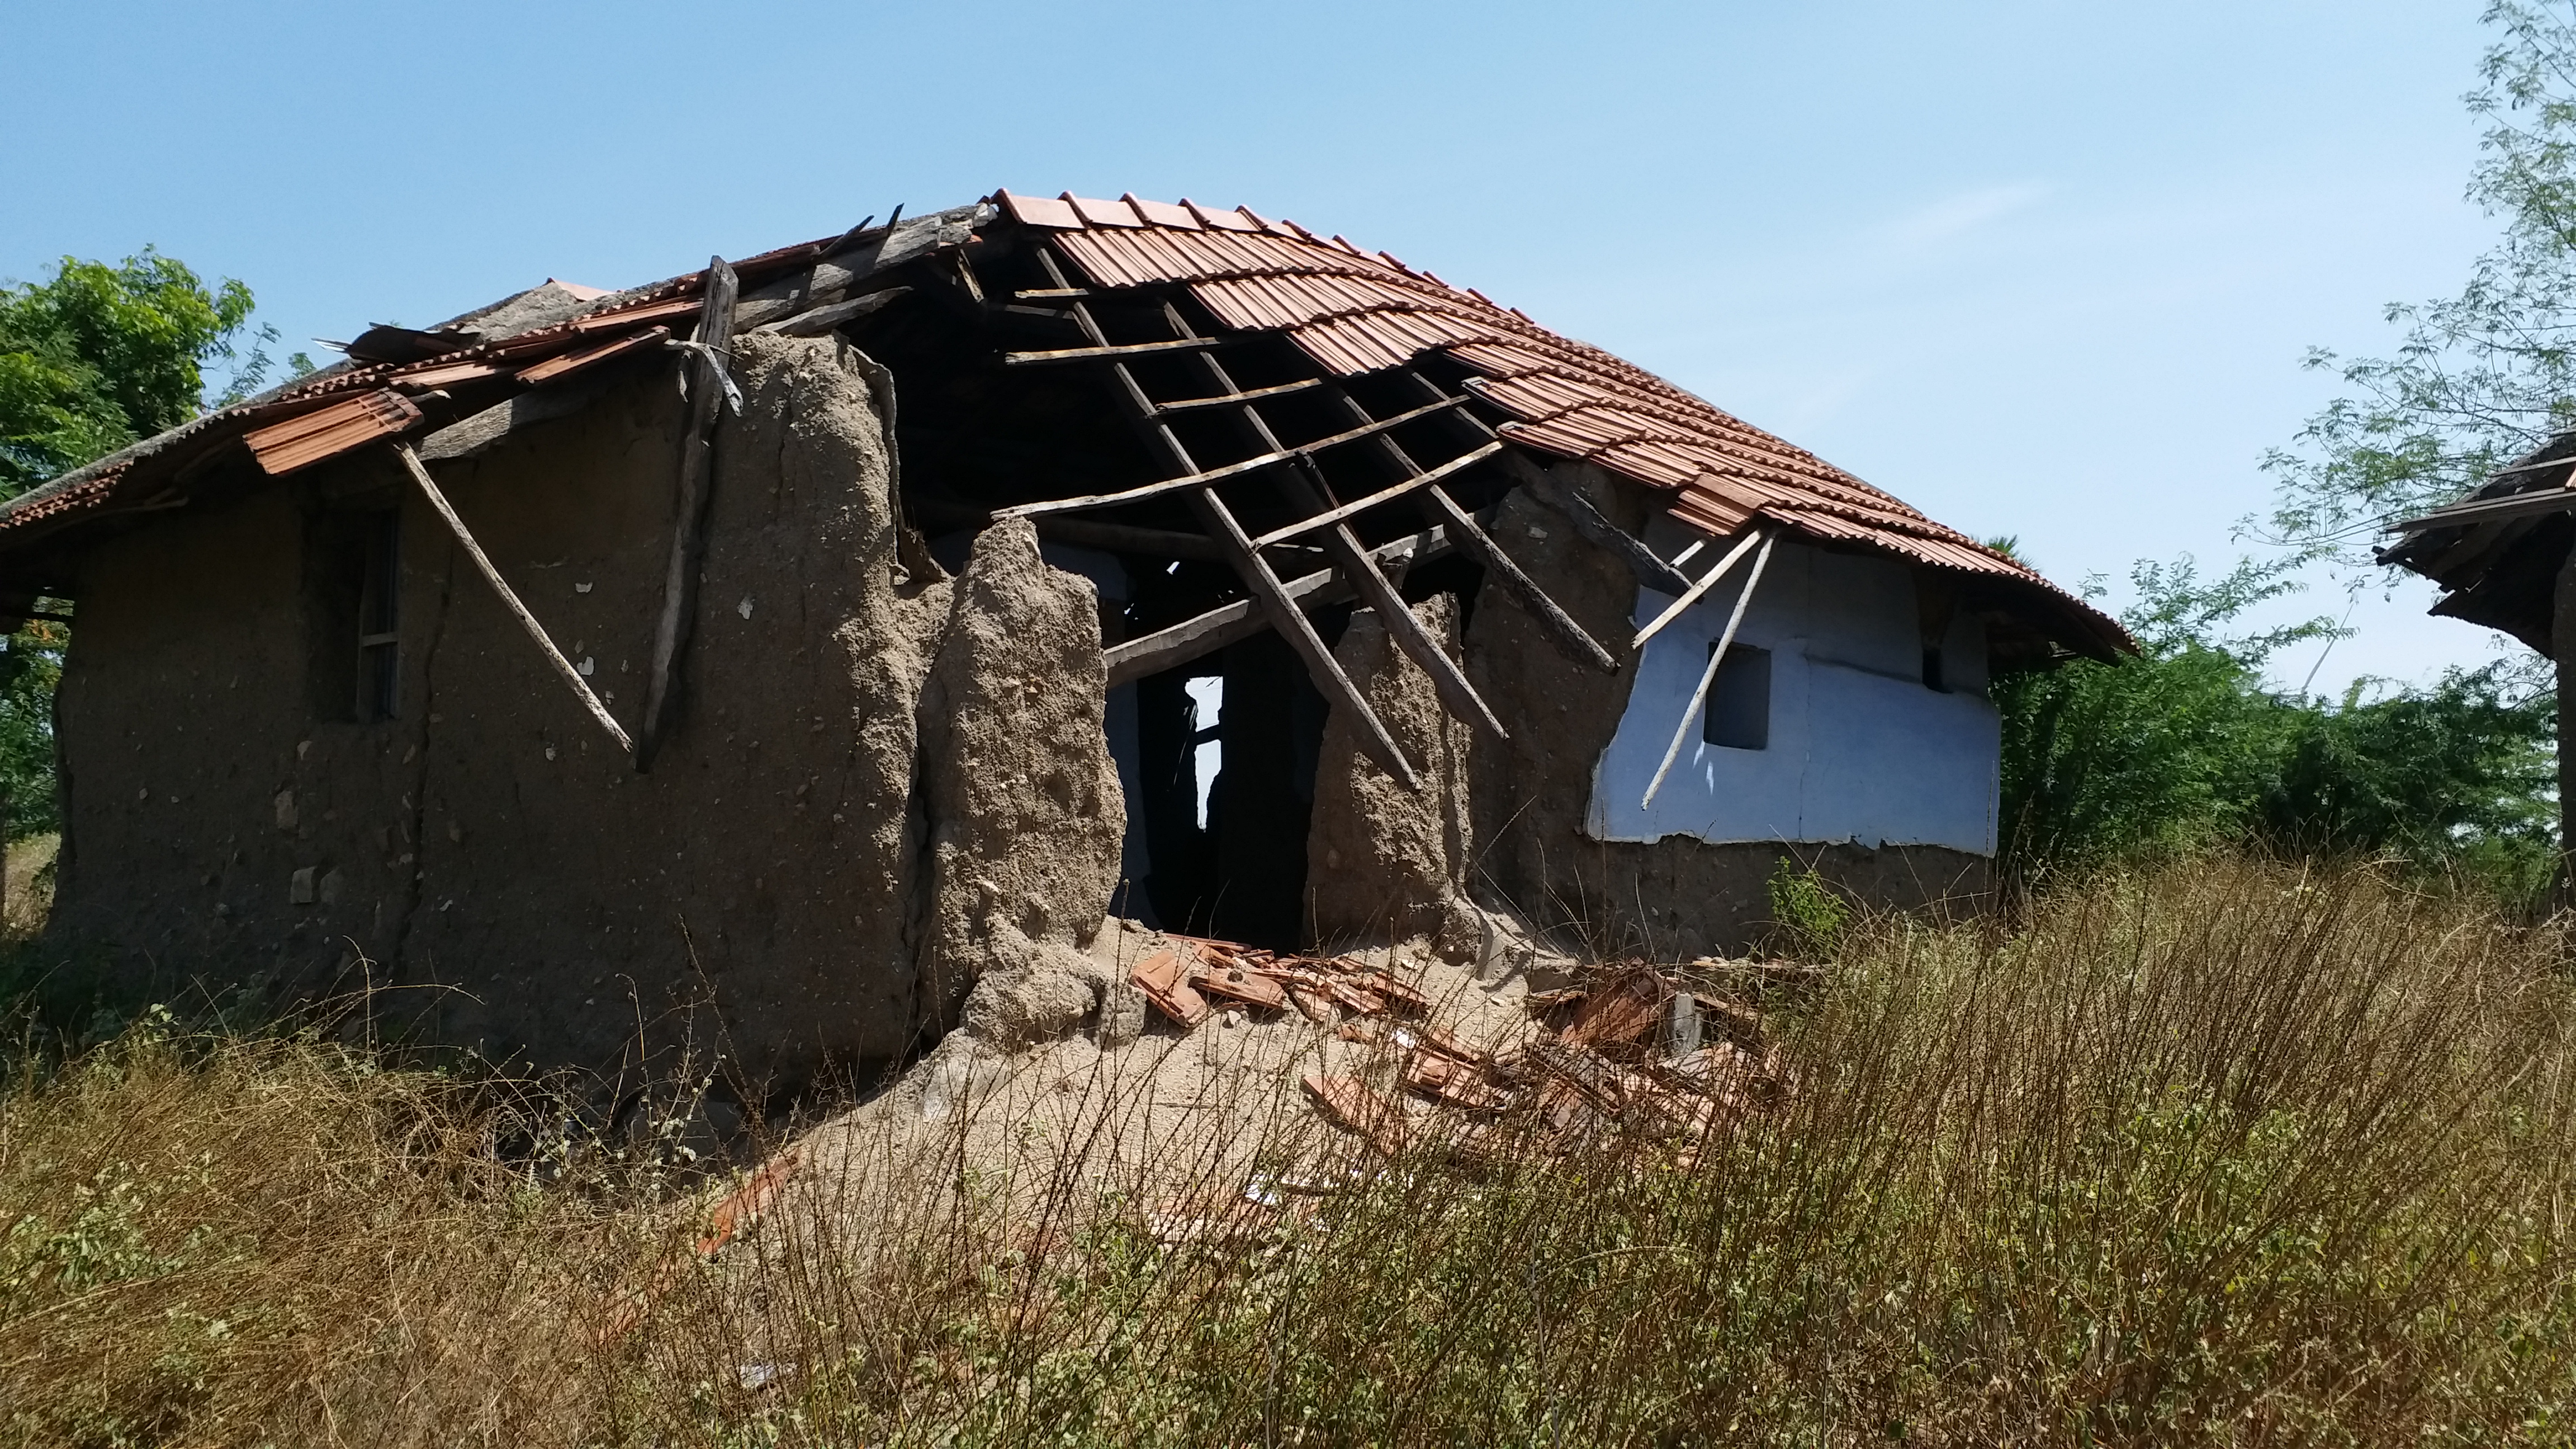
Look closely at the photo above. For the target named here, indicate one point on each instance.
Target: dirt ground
(1176, 1121)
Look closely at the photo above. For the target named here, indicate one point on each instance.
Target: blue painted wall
(1860, 750)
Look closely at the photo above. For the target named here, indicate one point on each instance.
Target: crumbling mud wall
(1025, 807)
(1675, 897)
(1383, 863)
(495, 858)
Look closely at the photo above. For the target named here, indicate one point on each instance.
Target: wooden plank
(509, 598)
(1708, 676)
(1560, 626)
(823, 319)
(1652, 571)
(1332, 516)
(1253, 464)
(2558, 462)
(1235, 399)
(1691, 595)
(689, 521)
(474, 434)
(1226, 624)
(1114, 352)
(1221, 525)
(2485, 510)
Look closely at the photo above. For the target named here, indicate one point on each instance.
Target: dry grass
(2224, 1154)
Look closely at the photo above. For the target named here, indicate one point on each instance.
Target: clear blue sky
(2039, 268)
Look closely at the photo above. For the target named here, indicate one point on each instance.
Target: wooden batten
(1331, 516)
(1226, 624)
(689, 523)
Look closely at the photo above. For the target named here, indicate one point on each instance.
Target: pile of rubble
(1637, 1052)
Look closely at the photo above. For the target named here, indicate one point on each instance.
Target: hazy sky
(2040, 269)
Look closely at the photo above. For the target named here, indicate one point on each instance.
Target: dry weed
(2227, 1153)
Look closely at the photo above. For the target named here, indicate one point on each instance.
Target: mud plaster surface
(487, 851)
(1024, 802)
(1384, 863)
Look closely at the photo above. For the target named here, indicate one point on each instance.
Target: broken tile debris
(1641, 1051)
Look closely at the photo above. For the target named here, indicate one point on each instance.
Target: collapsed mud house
(985, 573)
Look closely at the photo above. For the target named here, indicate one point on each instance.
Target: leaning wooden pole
(2562, 644)
(707, 386)
(509, 597)
(1708, 676)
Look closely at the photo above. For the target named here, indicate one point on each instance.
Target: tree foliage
(2480, 377)
(2185, 746)
(92, 359)
(99, 356)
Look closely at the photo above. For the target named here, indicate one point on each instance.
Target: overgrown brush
(2225, 1153)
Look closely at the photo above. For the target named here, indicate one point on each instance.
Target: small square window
(1739, 700)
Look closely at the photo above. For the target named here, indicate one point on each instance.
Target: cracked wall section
(567, 910)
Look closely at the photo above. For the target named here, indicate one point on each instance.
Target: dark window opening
(1932, 670)
(379, 621)
(352, 599)
(1739, 700)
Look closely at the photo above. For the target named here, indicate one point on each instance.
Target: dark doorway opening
(1229, 746)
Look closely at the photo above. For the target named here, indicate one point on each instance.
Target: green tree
(92, 359)
(2482, 376)
(2184, 745)
(98, 356)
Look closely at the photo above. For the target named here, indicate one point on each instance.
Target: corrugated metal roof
(1355, 311)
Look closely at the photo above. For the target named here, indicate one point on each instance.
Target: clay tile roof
(1040, 210)
(1351, 310)
(1103, 213)
(1355, 311)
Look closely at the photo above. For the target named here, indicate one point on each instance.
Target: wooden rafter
(1651, 569)
(1306, 488)
(1227, 531)
(1568, 636)
(1198, 637)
